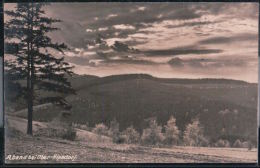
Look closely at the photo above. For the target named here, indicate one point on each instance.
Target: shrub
(153, 134)
(70, 134)
(237, 144)
(171, 132)
(222, 143)
(247, 144)
(83, 126)
(193, 135)
(114, 132)
(250, 145)
(203, 141)
(100, 129)
(131, 135)
(58, 129)
(120, 139)
(65, 133)
(11, 131)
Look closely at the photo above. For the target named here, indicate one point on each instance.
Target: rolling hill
(226, 108)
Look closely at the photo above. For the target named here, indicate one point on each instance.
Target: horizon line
(166, 77)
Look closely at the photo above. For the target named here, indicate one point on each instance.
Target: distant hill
(117, 78)
(226, 108)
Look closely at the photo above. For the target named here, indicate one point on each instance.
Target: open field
(91, 148)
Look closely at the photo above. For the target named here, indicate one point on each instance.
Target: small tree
(101, 129)
(237, 144)
(193, 135)
(171, 132)
(131, 135)
(222, 143)
(114, 131)
(247, 144)
(153, 134)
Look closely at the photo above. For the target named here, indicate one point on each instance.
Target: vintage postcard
(131, 82)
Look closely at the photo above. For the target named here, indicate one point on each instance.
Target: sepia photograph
(131, 82)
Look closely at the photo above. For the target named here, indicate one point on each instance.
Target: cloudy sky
(171, 40)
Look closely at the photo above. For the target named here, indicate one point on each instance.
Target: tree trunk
(29, 79)
(29, 95)
(30, 111)
(31, 90)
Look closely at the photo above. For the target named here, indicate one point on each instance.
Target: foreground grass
(98, 152)
(91, 148)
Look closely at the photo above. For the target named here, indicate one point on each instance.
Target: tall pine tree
(32, 60)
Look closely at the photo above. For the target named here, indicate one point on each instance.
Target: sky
(168, 40)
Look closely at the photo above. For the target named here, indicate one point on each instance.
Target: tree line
(167, 135)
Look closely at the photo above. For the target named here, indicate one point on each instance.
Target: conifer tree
(153, 134)
(194, 134)
(32, 60)
(171, 132)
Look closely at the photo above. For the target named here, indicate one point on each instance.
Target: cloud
(230, 39)
(193, 23)
(177, 51)
(176, 62)
(207, 63)
(186, 32)
(229, 63)
(131, 61)
(111, 16)
(135, 42)
(79, 61)
(81, 19)
(195, 64)
(89, 30)
(102, 29)
(141, 8)
(121, 47)
(123, 27)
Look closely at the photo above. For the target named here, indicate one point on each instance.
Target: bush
(120, 139)
(250, 145)
(222, 143)
(153, 134)
(64, 133)
(247, 144)
(11, 131)
(131, 135)
(237, 144)
(114, 132)
(58, 129)
(70, 134)
(81, 126)
(101, 129)
(194, 136)
(171, 132)
(203, 141)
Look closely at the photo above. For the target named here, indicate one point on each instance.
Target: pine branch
(54, 87)
(15, 14)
